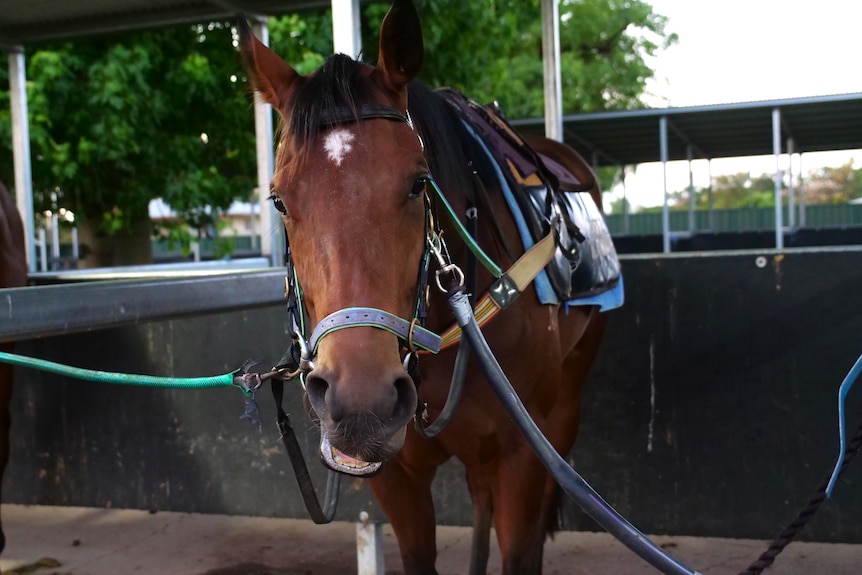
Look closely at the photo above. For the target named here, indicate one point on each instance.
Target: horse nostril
(316, 388)
(406, 401)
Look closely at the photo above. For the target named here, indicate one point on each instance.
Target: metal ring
(456, 272)
(410, 345)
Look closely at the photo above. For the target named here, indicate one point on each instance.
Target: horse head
(350, 179)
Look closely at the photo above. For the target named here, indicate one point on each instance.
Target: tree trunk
(125, 248)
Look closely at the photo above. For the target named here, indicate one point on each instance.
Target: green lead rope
(224, 380)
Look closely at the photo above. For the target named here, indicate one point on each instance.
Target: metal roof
(726, 130)
(608, 138)
(25, 22)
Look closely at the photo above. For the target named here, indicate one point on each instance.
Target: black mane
(336, 85)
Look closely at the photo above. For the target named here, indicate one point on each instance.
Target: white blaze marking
(338, 145)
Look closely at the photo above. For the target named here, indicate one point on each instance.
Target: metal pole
(626, 222)
(271, 237)
(369, 547)
(665, 212)
(55, 242)
(43, 250)
(776, 148)
(692, 225)
(791, 192)
(21, 151)
(346, 35)
(76, 252)
(551, 59)
(801, 194)
(711, 198)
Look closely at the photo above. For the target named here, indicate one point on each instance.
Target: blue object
(842, 427)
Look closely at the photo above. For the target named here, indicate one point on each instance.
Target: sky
(746, 50)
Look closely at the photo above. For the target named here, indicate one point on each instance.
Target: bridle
(412, 334)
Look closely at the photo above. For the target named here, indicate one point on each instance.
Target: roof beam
(687, 141)
(232, 7)
(571, 136)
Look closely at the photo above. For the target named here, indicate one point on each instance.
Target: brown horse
(13, 273)
(357, 146)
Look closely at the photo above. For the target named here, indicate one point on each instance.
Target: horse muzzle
(357, 387)
(362, 422)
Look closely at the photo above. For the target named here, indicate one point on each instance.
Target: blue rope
(842, 427)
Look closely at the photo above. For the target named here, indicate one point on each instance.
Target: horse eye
(418, 187)
(279, 205)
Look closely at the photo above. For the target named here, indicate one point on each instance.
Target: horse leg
(526, 498)
(564, 418)
(404, 493)
(483, 508)
(519, 511)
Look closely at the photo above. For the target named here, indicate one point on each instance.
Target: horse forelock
(339, 84)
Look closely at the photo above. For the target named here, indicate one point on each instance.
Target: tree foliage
(118, 120)
(492, 50)
(828, 185)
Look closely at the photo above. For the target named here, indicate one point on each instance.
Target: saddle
(550, 199)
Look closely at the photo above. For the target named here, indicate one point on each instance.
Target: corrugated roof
(726, 130)
(24, 22)
(612, 138)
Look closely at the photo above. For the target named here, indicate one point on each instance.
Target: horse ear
(270, 75)
(401, 47)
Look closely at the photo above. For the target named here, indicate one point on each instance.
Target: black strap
(479, 187)
(318, 514)
(459, 371)
(344, 115)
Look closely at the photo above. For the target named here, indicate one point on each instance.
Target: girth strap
(373, 317)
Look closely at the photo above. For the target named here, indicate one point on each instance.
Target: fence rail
(735, 220)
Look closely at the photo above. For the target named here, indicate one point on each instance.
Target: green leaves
(116, 121)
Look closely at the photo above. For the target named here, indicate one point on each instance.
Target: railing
(735, 220)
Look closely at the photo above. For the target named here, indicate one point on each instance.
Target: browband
(344, 115)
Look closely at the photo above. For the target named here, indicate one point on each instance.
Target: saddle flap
(544, 191)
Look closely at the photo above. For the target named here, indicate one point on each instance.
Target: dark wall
(711, 410)
(743, 240)
(93, 444)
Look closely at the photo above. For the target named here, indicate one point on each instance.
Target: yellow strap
(521, 273)
(532, 262)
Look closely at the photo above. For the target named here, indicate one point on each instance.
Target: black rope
(791, 531)
(320, 514)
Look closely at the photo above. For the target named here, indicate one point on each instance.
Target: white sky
(745, 50)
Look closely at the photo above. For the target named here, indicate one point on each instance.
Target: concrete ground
(84, 541)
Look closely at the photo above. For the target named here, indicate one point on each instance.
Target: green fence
(736, 220)
(162, 249)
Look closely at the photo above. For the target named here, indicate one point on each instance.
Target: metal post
(791, 191)
(776, 148)
(801, 194)
(21, 151)
(271, 237)
(551, 59)
(76, 251)
(626, 222)
(665, 212)
(692, 225)
(43, 250)
(346, 35)
(711, 198)
(55, 241)
(369, 547)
